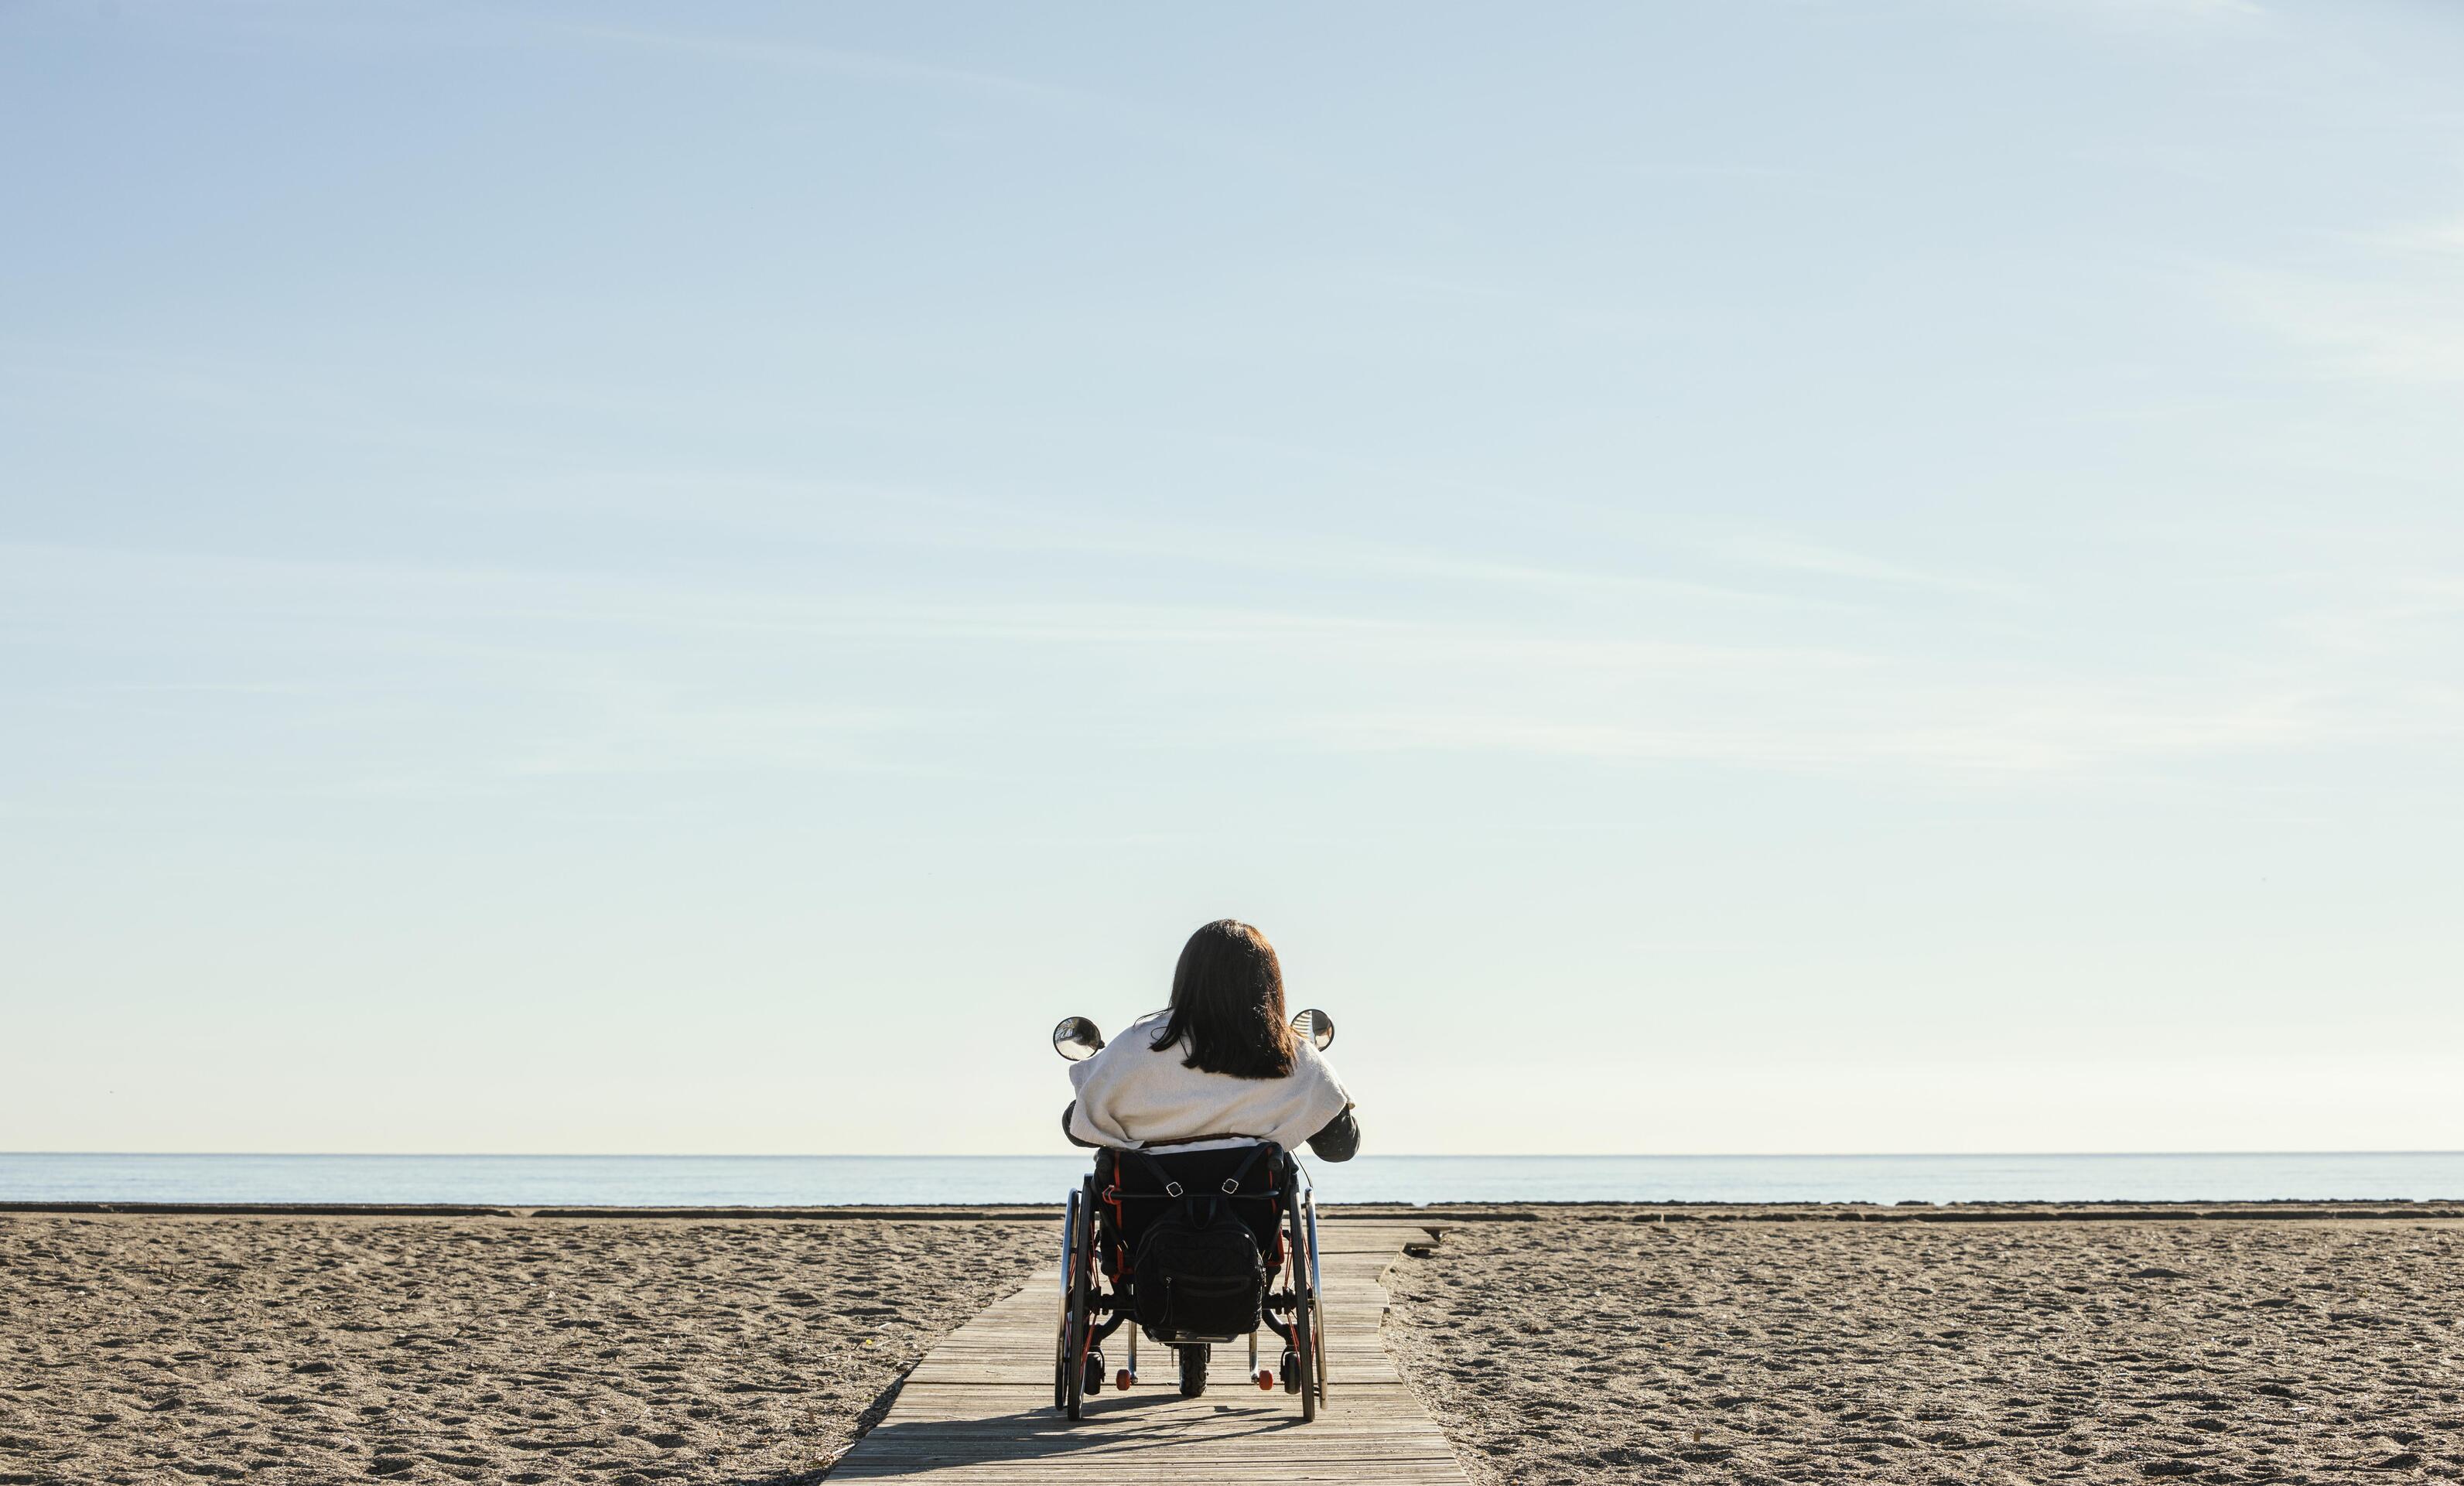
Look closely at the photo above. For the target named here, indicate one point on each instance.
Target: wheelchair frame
(1090, 1312)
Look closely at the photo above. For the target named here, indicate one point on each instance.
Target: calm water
(801, 1181)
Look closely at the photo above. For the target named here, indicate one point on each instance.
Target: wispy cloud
(2147, 15)
(510, 674)
(831, 61)
(670, 732)
(225, 393)
(2391, 312)
(1912, 721)
(2441, 240)
(1791, 555)
(925, 519)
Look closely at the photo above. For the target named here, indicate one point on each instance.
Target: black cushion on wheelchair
(1143, 1195)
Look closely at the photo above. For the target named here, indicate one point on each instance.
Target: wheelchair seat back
(1153, 1232)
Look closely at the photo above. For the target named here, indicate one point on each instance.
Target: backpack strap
(1156, 1169)
(1231, 1185)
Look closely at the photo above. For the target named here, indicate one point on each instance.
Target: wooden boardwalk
(978, 1410)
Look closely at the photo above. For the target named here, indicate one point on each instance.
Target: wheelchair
(1113, 1207)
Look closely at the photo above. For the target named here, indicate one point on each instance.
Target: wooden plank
(978, 1410)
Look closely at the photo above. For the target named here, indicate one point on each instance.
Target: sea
(816, 1181)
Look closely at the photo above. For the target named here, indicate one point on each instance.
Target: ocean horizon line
(1382, 1155)
(880, 1178)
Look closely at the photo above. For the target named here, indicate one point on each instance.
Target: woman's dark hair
(1227, 999)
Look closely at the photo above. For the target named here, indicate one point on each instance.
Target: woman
(1219, 1066)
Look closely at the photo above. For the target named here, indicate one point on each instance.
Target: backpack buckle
(1171, 1189)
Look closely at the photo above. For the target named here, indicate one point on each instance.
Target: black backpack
(1196, 1269)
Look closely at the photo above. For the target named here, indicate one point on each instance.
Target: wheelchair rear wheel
(1307, 1348)
(1077, 1301)
(1317, 1284)
(1061, 1332)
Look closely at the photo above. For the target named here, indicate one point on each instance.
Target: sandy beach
(1573, 1345)
(318, 1349)
(1577, 1350)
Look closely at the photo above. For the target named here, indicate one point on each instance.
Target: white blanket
(1130, 1095)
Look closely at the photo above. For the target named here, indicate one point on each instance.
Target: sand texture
(1572, 1350)
(173, 1349)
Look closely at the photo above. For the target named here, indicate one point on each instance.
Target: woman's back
(1220, 1065)
(1134, 1093)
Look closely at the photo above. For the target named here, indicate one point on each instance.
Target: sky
(1761, 576)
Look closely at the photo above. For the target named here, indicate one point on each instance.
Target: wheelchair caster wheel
(1292, 1371)
(1095, 1370)
(1123, 1379)
(1265, 1380)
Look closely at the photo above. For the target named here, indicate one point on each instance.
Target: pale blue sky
(1743, 577)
